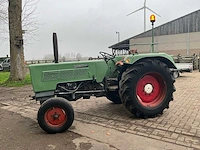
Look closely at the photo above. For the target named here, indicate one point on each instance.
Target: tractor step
(112, 79)
(113, 88)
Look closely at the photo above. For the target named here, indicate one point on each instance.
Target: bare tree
(17, 67)
(3, 11)
(66, 57)
(3, 19)
(78, 56)
(21, 19)
(29, 20)
(49, 57)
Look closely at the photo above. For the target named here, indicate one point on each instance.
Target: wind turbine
(144, 7)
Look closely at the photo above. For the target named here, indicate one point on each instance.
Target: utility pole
(152, 20)
(118, 36)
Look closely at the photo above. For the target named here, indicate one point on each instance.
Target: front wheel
(146, 88)
(55, 115)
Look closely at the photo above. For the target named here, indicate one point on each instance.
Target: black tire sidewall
(114, 97)
(135, 76)
(60, 103)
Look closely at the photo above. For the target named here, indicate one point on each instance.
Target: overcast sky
(89, 26)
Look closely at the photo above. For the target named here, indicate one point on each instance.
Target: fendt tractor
(143, 83)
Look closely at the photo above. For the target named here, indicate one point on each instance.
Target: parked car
(5, 65)
(1, 67)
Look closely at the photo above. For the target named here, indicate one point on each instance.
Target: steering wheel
(106, 56)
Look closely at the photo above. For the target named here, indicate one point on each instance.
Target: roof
(121, 45)
(184, 24)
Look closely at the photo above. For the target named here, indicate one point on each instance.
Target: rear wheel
(147, 88)
(55, 115)
(114, 97)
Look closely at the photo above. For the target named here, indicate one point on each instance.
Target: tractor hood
(45, 77)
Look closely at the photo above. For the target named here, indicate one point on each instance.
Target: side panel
(46, 76)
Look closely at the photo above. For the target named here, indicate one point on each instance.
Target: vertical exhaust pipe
(55, 47)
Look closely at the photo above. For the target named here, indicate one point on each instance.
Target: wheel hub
(148, 88)
(55, 117)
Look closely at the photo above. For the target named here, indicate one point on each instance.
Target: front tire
(55, 115)
(146, 88)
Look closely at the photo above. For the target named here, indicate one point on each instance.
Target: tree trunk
(17, 66)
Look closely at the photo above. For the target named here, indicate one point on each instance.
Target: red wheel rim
(55, 117)
(151, 89)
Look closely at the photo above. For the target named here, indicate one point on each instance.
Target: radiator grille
(50, 76)
(65, 74)
(81, 73)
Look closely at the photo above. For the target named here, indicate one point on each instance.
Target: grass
(4, 80)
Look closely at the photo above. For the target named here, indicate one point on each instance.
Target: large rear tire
(146, 88)
(114, 97)
(55, 115)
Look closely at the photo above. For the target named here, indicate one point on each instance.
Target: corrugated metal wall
(185, 24)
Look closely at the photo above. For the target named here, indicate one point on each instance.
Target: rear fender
(165, 58)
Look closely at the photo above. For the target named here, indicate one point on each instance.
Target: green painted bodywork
(112, 68)
(45, 77)
(131, 59)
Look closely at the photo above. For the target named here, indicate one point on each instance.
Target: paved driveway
(180, 124)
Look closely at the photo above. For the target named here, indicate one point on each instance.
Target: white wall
(177, 43)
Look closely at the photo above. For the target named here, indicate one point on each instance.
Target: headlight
(127, 61)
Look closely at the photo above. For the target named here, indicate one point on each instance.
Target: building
(180, 36)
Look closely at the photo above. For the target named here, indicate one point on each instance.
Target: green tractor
(143, 83)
